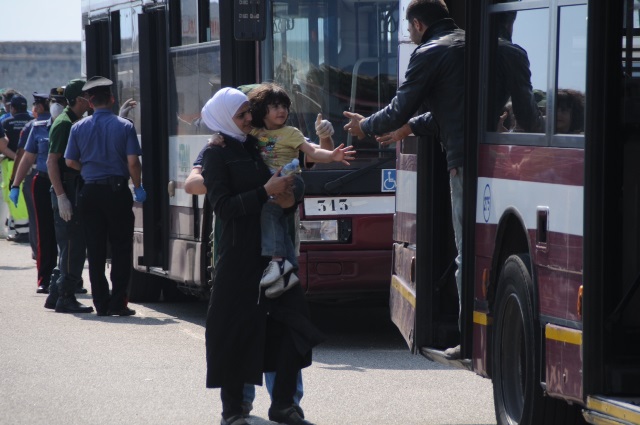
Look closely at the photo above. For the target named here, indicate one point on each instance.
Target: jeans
(455, 182)
(72, 247)
(274, 225)
(249, 391)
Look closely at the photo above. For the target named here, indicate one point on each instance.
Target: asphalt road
(62, 369)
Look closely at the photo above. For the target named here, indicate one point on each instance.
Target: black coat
(237, 350)
(434, 82)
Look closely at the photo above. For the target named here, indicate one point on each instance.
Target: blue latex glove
(139, 194)
(14, 194)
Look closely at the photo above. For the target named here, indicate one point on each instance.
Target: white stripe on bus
(564, 202)
(406, 189)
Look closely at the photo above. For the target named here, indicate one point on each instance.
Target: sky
(41, 20)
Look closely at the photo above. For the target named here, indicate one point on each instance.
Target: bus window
(572, 61)
(126, 64)
(518, 71)
(333, 56)
(184, 22)
(195, 78)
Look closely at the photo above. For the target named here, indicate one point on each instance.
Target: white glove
(127, 106)
(324, 128)
(64, 207)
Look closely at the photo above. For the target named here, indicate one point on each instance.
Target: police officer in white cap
(105, 148)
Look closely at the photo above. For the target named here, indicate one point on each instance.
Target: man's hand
(324, 128)
(64, 207)
(394, 136)
(353, 126)
(216, 140)
(126, 107)
(14, 195)
(139, 194)
(342, 154)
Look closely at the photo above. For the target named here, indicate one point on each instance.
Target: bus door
(423, 294)
(610, 311)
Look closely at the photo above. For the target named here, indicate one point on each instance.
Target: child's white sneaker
(274, 271)
(281, 285)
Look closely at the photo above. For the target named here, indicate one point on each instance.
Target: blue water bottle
(291, 167)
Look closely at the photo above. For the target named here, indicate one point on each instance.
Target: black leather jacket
(434, 82)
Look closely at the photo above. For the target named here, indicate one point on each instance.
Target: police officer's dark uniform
(12, 128)
(105, 147)
(41, 106)
(65, 186)
(36, 150)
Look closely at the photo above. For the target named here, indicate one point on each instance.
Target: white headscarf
(218, 112)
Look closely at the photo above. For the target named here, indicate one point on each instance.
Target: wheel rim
(513, 360)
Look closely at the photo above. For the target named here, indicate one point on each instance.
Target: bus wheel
(144, 287)
(516, 391)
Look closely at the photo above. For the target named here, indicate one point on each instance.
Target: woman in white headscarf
(248, 333)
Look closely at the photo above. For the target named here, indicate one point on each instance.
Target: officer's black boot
(67, 303)
(54, 293)
(52, 299)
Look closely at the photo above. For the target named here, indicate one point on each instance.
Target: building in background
(38, 66)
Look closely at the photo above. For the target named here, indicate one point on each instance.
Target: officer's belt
(43, 174)
(108, 181)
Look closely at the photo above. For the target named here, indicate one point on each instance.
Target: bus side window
(572, 62)
(518, 71)
(631, 64)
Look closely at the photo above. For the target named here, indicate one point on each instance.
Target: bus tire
(144, 287)
(516, 350)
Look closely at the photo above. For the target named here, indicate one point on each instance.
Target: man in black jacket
(434, 82)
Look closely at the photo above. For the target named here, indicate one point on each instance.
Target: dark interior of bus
(622, 319)
(437, 258)
(612, 195)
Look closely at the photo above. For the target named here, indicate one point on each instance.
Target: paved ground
(61, 369)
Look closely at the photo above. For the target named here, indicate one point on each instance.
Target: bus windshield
(333, 56)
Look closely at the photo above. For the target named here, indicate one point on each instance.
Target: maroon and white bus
(551, 261)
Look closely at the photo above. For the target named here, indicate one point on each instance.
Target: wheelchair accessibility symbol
(388, 180)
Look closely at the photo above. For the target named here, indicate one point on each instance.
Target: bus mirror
(250, 20)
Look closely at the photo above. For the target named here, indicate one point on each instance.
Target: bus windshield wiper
(340, 181)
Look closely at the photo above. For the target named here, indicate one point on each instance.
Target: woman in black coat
(247, 333)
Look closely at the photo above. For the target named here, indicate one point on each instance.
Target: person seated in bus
(247, 333)
(569, 112)
(279, 145)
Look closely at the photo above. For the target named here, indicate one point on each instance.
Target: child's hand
(217, 140)
(342, 154)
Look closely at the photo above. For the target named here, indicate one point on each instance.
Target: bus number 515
(325, 205)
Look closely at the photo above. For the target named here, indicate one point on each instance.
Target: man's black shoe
(288, 416)
(18, 238)
(81, 290)
(50, 303)
(52, 299)
(234, 420)
(71, 305)
(125, 311)
(42, 289)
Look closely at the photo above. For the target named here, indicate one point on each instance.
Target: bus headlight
(324, 231)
